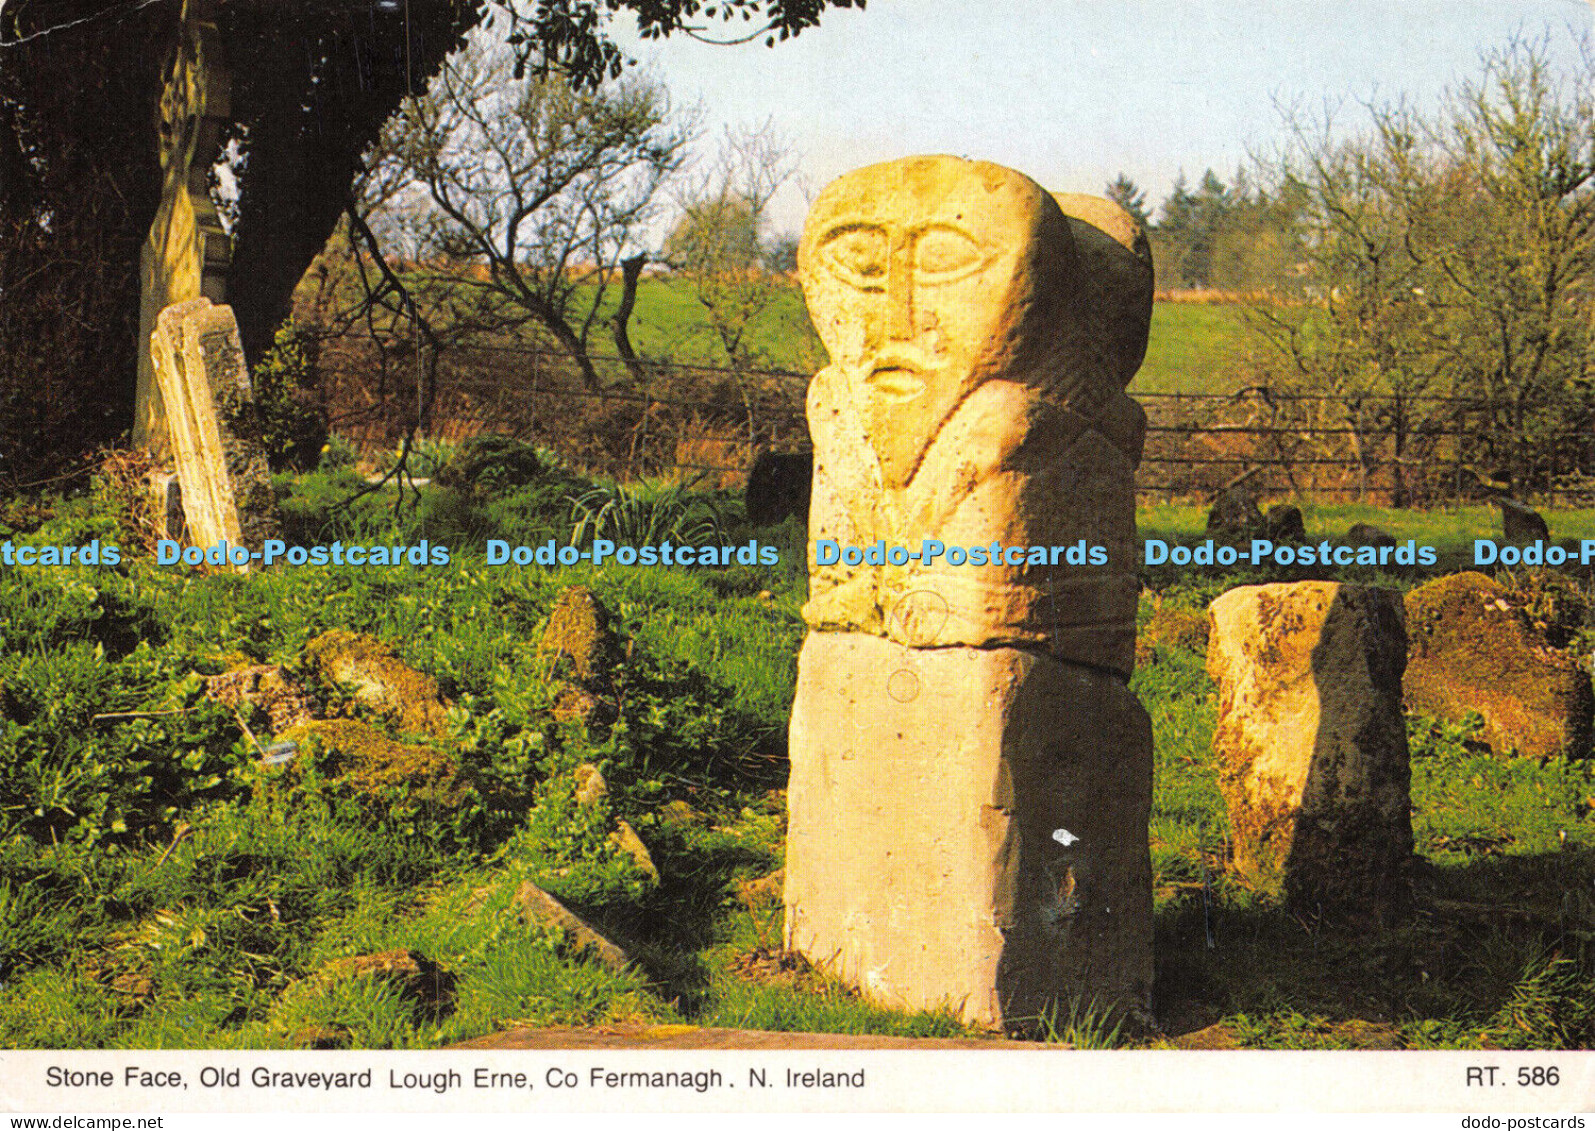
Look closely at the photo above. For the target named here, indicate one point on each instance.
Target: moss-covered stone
(590, 785)
(626, 839)
(357, 755)
(381, 681)
(578, 632)
(1311, 745)
(583, 651)
(1171, 627)
(264, 687)
(1474, 647)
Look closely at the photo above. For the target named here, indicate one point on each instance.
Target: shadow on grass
(668, 931)
(1499, 952)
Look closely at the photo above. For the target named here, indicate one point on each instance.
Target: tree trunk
(311, 89)
(630, 275)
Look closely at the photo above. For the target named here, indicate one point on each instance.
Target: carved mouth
(896, 381)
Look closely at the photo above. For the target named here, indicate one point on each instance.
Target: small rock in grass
(590, 785)
(417, 978)
(680, 815)
(626, 839)
(1366, 534)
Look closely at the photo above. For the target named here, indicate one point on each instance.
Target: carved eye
(857, 255)
(942, 254)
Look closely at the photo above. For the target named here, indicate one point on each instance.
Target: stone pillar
(211, 427)
(1313, 744)
(971, 779)
(186, 253)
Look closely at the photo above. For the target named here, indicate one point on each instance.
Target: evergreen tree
(1128, 195)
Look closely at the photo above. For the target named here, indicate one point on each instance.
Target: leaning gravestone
(1312, 743)
(971, 778)
(211, 426)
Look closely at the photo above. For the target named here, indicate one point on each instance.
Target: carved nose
(900, 292)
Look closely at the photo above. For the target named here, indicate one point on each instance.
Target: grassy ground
(159, 886)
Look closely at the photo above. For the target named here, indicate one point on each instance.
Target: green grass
(796, 1000)
(158, 887)
(1191, 349)
(670, 323)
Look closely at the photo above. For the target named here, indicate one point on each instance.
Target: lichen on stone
(1475, 647)
(382, 682)
(355, 754)
(578, 632)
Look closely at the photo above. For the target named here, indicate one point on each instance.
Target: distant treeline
(1426, 258)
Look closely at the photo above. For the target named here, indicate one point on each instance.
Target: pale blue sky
(1072, 91)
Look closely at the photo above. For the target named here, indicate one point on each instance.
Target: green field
(670, 323)
(1190, 349)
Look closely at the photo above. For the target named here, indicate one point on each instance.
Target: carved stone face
(922, 278)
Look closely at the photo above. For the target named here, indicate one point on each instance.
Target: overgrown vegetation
(161, 883)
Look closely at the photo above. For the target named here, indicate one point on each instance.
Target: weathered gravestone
(971, 778)
(1284, 523)
(1521, 523)
(778, 486)
(210, 426)
(1235, 517)
(186, 253)
(1312, 742)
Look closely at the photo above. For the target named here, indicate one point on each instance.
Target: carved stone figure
(970, 777)
(979, 355)
(186, 253)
